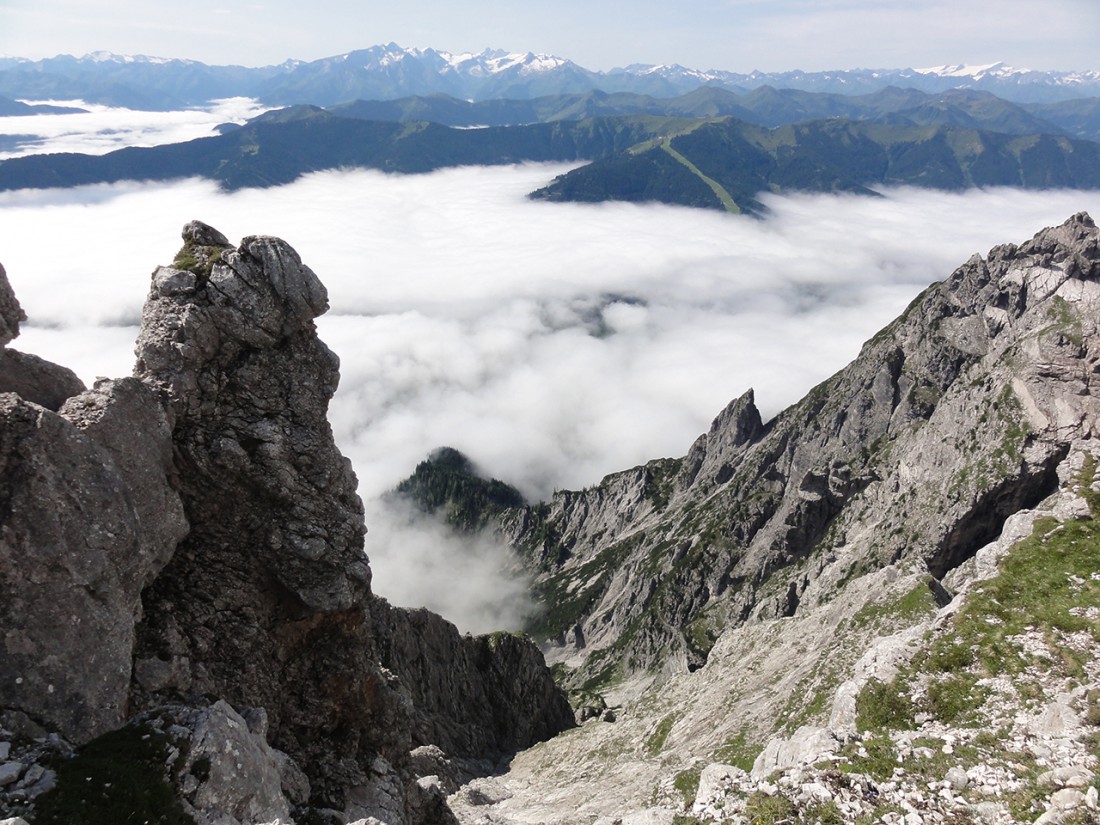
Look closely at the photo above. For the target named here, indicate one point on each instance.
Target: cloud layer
(553, 343)
(103, 129)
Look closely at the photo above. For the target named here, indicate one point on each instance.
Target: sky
(735, 35)
(552, 343)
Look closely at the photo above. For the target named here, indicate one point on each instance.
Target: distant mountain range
(726, 163)
(764, 106)
(390, 71)
(721, 163)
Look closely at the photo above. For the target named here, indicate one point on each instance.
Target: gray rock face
(89, 518)
(267, 601)
(28, 376)
(480, 697)
(38, 380)
(11, 313)
(189, 540)
(229, 775)
(985, 380)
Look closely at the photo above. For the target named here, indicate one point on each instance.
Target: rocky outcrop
(951, 419)
(186, 546)
(265, 602)
(36, 379)
(844, 681)
(28, 376)
(11, 313)
(89, 518)
(480, 697)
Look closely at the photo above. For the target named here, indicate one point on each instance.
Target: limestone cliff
(951, 419)
(184, 548)
(880, 606)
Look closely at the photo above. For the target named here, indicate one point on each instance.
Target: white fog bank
(552, 343)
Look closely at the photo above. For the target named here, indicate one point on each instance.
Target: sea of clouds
(101, 129)
(552, 343)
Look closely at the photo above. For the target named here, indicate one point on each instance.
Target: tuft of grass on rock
(882, 706)
(655, 742)
(761, 809)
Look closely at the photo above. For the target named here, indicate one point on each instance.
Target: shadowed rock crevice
(984, 522)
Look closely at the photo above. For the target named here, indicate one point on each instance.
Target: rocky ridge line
(984, 380)
(915, 640)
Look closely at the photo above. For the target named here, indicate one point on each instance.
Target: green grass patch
(686, 784)
(906, 609)
(198, 259)
(739, 752)
(826, 813)
(884, 706)
(655, 742)
(761, 809)
(876, 756)
(724, 197)
(956, 698)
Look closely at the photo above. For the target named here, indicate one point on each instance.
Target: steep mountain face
(879, 606)
(183, 551)
(950, 420)
(390, 71)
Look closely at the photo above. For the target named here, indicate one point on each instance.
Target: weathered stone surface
(11, 313)
(194, 532)
(231, 775)
(1069, 776)
(974, 411)
(88, 519)
(762, 521)
(474, 697)
(267, 601)
(36, 379)
(128, 423)
(805, 746)
(10, 772)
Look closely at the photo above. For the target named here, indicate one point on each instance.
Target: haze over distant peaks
(389, 71)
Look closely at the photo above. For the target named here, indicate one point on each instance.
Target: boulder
(38, 380)
(87, 519)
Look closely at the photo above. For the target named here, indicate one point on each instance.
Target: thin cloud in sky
(736, 35)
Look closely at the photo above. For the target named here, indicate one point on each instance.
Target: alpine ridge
(387, 71)
(951, 419)
(878, 606)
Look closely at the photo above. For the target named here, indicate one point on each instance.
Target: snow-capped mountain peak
(962, 70)
(111, 57)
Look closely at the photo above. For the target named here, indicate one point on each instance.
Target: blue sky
(738, 35)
